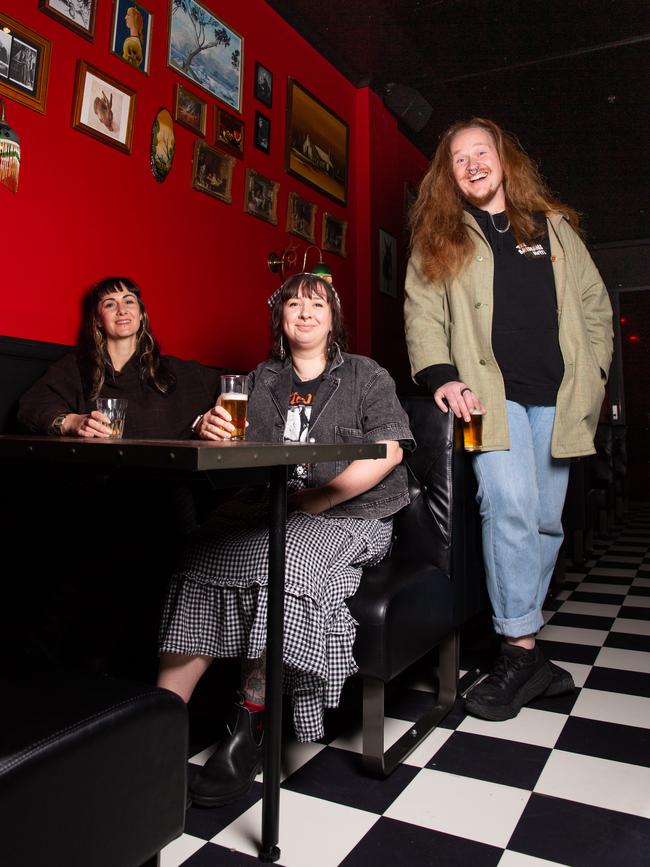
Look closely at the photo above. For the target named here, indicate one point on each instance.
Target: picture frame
(387, 264)
(190, 110)
(301, 218)
(229, 132)
(216, 68)
(262, 133)
(163, 144)
(131, 34)
(212, 171)
(263, 89)
(103, 107)
(317, 144)
(334, 235)
(261, 196)
(77, 15)
(24, 64)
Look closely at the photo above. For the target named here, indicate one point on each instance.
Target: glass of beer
(234, 399)
(473, 431)
(114, 408)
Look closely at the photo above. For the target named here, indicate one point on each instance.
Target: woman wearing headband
(309, 389)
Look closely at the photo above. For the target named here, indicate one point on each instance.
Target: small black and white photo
(78, 11)
(262, 137)
(263, 84)
(5, 53)
(22, 67)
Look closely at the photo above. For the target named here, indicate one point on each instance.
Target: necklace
(496, 228)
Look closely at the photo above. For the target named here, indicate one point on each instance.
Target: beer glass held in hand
(473, 431)
(234, 399)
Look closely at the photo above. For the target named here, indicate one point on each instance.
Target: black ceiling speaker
(408, 105)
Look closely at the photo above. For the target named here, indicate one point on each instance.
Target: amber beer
(473, 431)
(237, 405)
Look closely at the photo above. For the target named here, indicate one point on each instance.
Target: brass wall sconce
(278, 264)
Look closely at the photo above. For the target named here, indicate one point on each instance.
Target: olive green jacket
(450, 322)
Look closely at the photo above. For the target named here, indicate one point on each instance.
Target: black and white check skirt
(217, 600)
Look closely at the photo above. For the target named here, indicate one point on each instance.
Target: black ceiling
(571, 78)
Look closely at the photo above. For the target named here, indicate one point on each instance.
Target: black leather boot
(230, 771)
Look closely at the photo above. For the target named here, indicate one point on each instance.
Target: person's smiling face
(119, 314)
(307, 322)
(477, 168)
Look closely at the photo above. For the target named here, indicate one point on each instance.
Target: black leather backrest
(22, 362)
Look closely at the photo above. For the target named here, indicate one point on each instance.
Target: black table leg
(274, 640)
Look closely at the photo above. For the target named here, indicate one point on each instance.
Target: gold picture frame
(24, 64)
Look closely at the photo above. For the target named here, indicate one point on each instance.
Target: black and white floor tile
(566, 782)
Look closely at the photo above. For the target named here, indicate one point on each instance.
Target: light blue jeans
(521, 495)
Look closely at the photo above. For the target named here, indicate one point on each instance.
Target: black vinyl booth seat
(430, 585)
(102, 761)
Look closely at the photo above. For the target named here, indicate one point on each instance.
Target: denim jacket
(356, 404)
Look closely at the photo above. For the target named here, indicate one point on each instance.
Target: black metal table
(272, 461)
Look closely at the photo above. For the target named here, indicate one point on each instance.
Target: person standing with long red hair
(506, 314)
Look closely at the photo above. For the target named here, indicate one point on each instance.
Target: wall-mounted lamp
(9, 153)
(277, 264)
(321, 268)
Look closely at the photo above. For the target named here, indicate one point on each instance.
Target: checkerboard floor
(566, 782)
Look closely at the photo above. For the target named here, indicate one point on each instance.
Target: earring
(282, 352)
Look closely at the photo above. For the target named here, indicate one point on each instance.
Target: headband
(274, 297)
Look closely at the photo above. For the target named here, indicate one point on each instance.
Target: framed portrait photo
(212, 171)
(206, 50)
(104, 108)
(317, 144)
(301, 218)
(24, 64)
(229, 132)
(190, 110)
(78, 15)
(261, 197)
(334, 234)
(387, 264)
(262, 136)
(263, 84)
(131, 34)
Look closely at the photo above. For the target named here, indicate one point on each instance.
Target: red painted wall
(85, 210)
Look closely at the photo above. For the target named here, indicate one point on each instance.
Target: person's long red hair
(438, 233)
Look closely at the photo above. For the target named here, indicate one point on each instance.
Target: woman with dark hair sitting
(118, 356)
(341, 520)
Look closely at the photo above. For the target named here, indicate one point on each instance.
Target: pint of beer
(234, 399)
(473, 431)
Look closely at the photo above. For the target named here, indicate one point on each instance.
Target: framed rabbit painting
(103, 107)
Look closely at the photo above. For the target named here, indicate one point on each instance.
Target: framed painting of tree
(206, 50)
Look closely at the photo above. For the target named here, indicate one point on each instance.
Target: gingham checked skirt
(217, 601)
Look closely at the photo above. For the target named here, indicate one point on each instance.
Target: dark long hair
(93, 351)
(437, 229)
(311, 285)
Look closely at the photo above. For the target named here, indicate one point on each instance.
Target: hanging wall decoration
(334, 234)
(162, 145)
(206, 50)
(103, 107)
(229, 132)
(261, 196)
(131, 34)
(24, 64)
(212, 171)
(9, 153)
(190, 110)
(78, 15)
(301, 218)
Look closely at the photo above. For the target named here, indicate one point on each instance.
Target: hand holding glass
(473, 431)
(114, 408)
(234, 399)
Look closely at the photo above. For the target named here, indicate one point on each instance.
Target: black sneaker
(518, 676)
(561, 683)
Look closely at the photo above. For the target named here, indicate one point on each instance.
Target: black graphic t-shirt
(301, 404)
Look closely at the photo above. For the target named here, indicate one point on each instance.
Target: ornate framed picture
(163, 145)
(262, 136)
(131, 34)
(206, 50)
(261, 196)
(301, 218)
(263, 84)
(229, 132)
(104, 108)
(317, 144)
(24, 64)
(387, 264)
(212, 171)
(78, 15)
(334, 234)
(190, 110)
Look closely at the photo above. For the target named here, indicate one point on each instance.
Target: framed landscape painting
(206, 50)
(190, 110)
(317, 144)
